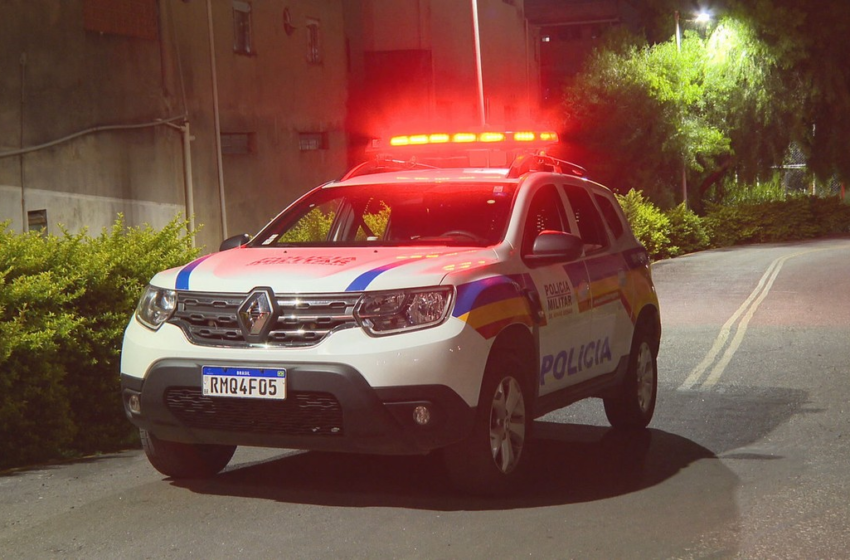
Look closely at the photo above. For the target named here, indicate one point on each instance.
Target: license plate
(248, 383)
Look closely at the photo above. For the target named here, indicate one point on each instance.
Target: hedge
(64, 303)
(678, 231)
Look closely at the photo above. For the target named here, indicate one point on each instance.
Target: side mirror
(555, 246)
(234, 242)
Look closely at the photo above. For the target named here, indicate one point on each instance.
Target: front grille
(301, 414)
(210, 319)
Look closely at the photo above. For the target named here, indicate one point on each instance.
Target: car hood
(323, 270)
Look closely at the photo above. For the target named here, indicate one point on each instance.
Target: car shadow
(568, 463)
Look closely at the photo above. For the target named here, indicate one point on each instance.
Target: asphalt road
(748, 456)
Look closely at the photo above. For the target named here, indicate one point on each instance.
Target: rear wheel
(185, 460)
(634, 406)
(491, 460)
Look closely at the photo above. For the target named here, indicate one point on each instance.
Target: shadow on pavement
(569, 464)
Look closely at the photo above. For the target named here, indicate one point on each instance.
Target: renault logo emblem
(255, 312)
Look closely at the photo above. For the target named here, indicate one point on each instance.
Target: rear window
(610, 214)
(591, 229)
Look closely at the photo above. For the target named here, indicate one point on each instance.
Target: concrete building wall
(509, 64)
(77, 66)
(430, 49)
(273, 94)
(76, 78)
(570, 31)
(58, 79)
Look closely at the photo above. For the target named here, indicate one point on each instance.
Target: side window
(546, 212)
(591, 229)
(612, 217)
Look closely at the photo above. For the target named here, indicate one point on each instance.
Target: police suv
(405, 308)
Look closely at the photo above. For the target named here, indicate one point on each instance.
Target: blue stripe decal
(603, 267)
(182, 282)
(482, 292)
(362, 281)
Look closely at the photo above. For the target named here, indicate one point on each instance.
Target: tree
(809, 41)
(616, 127)
(733, 98)
(644, 111)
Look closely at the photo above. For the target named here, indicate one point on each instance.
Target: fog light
(421, 415)
(135, 404)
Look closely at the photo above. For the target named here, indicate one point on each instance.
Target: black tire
(491, 461)
(634, 406)
(185, 460)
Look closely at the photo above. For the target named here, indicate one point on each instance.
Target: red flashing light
(489, 137)
(464, 137)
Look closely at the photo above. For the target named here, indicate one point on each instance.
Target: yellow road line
(747, 309)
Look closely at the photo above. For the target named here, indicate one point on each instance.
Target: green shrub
(34, 414)
(730, 225)
(116, 267)
(775, 221)
(688, 234)
(679, 231)
(650, 225)
(831, 215)
(64, 303)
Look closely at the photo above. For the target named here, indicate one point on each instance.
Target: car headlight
(383, 313)
(156, 306)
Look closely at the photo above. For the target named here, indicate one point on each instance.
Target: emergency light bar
(488, 137)
(445, 149)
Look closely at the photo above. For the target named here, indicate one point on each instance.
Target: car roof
(436, 175)
(452, 175)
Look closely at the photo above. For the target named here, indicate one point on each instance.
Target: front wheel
(634, 406)
(492, 459)
(185, 460)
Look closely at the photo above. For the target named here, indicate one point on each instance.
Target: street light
(476, 36)
(678, 32)
(684, 161)
(702, 17)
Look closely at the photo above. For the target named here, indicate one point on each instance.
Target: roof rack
(382, 165)
(541, 161)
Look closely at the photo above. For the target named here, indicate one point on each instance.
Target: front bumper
(329, 407)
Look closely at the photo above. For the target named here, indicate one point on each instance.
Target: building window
(139, 18)
(37, 221)
(311, 141)
(238, 143)
(242, 32)
(314, 43)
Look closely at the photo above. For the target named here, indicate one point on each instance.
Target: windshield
(393, 215)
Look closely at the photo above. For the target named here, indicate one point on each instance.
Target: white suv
(400, 310)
